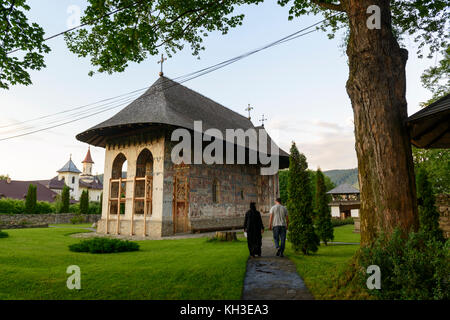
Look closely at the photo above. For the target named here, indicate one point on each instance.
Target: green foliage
(3, 234)
(4, 177)
(437, 78)
(341, 222)
(100, 204)
(16, 32)
(104, 245)
(412, 268)
(84, 202)
(283, 180)
(428, 214)
(324, 226)
(301, 230)
(44, 207)
(12, 206)
(78, 219)
(65, 200)
(437, 164)
(30, 201)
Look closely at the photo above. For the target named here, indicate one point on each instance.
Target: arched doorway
(117, 185)
(143, 184)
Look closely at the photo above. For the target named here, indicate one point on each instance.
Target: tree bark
(376, 87)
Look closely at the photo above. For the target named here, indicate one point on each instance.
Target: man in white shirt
(279, 222)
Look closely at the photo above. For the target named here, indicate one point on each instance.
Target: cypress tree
(301, 230)
(324, 224)
(101, 204)
(65, 199)
(30, 201)
(84, 202)
(428, 214)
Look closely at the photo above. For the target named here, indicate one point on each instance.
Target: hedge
(15, 206)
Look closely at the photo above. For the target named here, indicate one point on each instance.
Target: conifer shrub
(323, 211)
(104, 245)
(415, 267)
(84, 202)
(65, 200)
(31, 199)
(428, 214)
(301, 229)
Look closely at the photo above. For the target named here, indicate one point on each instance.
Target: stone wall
(17, 219)
(443, 206)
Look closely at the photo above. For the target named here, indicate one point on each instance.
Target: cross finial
(262, 120)
(161, 73)
(249, 109)
(70, 156)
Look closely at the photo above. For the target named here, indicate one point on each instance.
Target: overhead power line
(126, 98)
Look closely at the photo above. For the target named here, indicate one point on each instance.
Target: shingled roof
(429, 127)
(167, 102)
(343, 189)
(88, 158)
(69, 167)
(16, 189)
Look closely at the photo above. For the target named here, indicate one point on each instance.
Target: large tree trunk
(376, 87)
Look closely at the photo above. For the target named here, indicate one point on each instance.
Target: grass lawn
(33, 265)
(71, 225)
(318, 270)
(345, 234)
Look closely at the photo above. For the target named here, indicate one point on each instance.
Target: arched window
(144, 183)
(119, 164)
(215, 191)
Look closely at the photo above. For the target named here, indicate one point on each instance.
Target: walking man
(279, 222)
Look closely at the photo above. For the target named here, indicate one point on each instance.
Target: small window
(242, 194)
(215, 191)
(73, 180)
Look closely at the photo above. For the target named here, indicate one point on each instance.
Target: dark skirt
(254, 242)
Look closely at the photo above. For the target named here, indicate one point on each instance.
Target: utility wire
(180, 79)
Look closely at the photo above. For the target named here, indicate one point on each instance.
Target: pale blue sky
(299, 86)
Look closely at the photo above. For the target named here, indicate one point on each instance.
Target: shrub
(413, 268)
(84, 202)
(30, 201)
(74, 208)
(77, 219)
(44, 207)
(65, 200)
(94, 208)
(12, 206)
(341, 222)
(3, 234)
(301, 229)
(323, 219)
(104, 245)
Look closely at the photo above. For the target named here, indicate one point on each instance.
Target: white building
(76, 180)
(345, 202)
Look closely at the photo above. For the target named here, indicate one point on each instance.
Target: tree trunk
(226, 236)
(376, 87)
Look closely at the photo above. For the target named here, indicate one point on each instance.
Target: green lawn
(345, 234)
(33, 265)
(320, 269)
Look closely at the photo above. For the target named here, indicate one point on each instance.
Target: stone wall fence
(51, 218)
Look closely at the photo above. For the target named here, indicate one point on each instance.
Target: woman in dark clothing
(254, 227)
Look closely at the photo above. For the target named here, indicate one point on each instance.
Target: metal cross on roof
(249, 109)
(162, 62)
(262, 120)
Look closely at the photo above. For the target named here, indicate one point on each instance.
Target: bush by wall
(104, 245)
(3, 234)
(12, 206)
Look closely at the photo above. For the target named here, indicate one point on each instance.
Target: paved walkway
(273, 278)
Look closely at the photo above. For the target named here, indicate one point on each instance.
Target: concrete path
(273, 278)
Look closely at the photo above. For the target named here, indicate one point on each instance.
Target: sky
(299, 86)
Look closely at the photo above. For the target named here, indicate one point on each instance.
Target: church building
(159, 197)
(76, 180)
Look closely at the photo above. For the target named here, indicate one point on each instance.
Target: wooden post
(145, 207)
(133, 206)
(109, 206)
(119, 198)
(174, 204)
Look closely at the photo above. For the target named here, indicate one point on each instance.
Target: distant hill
(349, 176)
